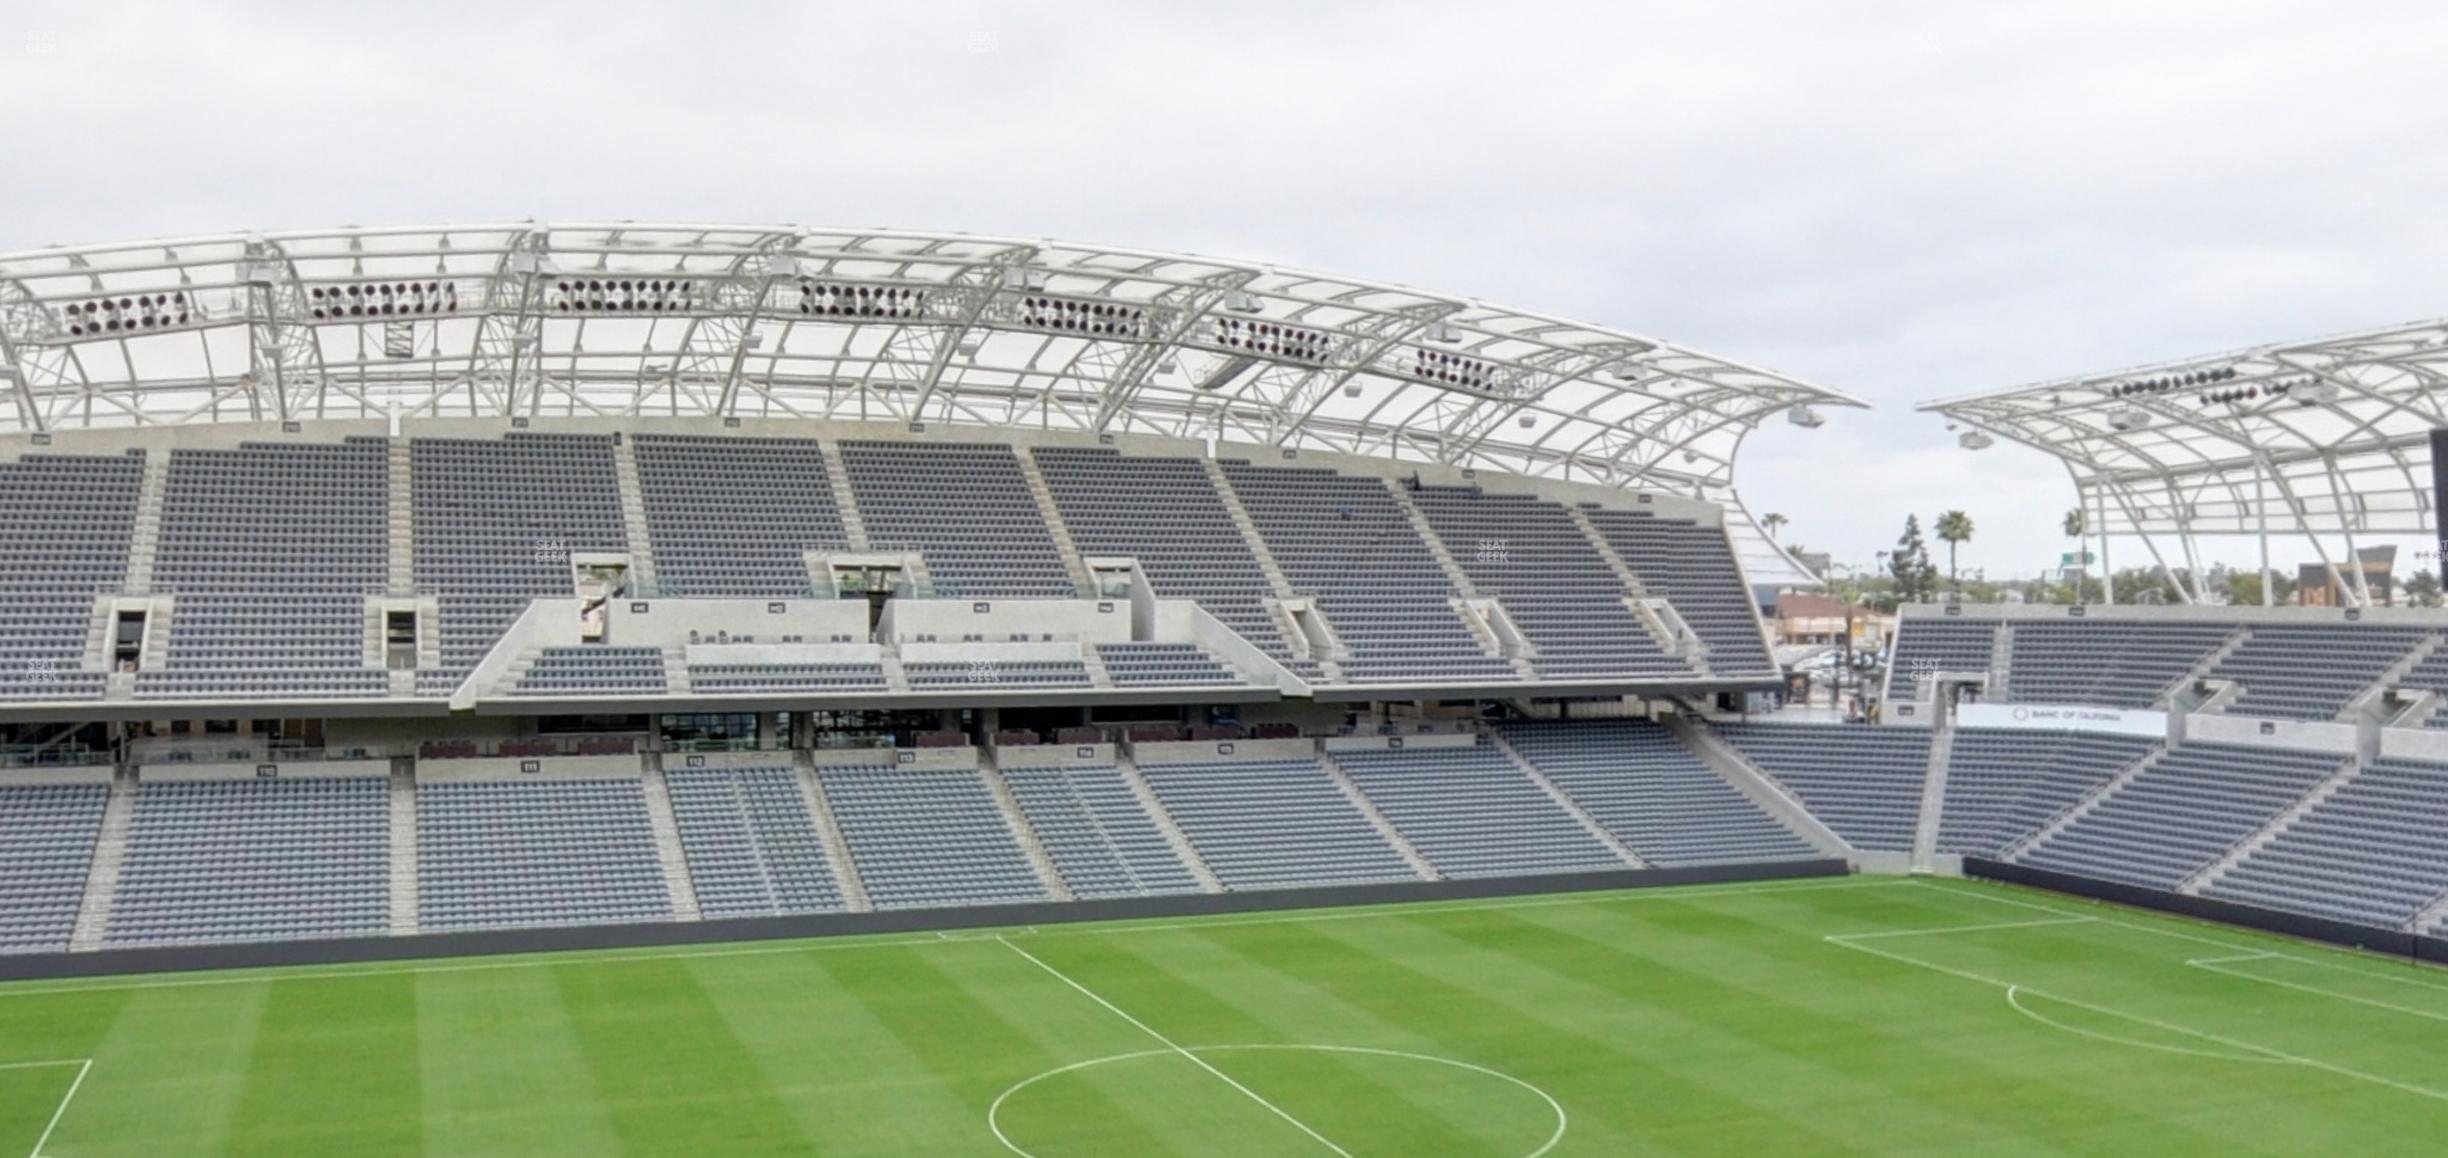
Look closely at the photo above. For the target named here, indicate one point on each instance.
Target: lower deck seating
(2181, 813)
(244, 860)
(1653, 794)
(2005, 784)
(1094, 829)
(2374, 853)
(786, 677)
(928, 837)
(594, 671)
(1163, 665)
(496, 853)
(997, 673)
(47, 834)
(1263, 824)
(752, 844)
(1863, 781)
(1473, 813)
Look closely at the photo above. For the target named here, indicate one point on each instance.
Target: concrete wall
(79, 774)
(2401, 616)
(1210, 751)
(530, 768)
(949, 619)
(268, 770)
(1388, 743)
(2414, 744)
(1052, 755)
(902, 757)
(662, 622)
(2213, 728)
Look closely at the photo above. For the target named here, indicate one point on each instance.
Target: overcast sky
(1903, 201)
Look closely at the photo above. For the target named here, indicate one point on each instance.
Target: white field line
(2215, 966)
(2043, 924)
(2242, 951)
(1168, 1043)
(1088, 929)
(2014, 998)
(84, 1066)
(2014, 988)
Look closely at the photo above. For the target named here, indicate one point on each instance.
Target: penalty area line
(83, 1065)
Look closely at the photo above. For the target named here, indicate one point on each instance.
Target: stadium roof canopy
(653, 319)
(2321, 437)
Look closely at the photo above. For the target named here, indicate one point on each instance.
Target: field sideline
(1841, 1017)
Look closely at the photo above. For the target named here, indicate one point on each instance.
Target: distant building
(2315, 588)
(1806, 617)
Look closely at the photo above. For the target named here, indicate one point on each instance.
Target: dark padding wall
(431, 945)
(2392, 941)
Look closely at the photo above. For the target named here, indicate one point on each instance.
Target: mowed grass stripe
(323, 1046)
(979, 1037)
(502, 1071)
(832, 1060)
(673, 1077)
(1205, 995)
(1824, 1046)
(1483, 1017)
(167, 1076)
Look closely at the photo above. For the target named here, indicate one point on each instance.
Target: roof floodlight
(1975, 440)
(1528, 421)
(753, 342)
(970, 344)
(2130, 418)
(527, 262)
(1803, 416)
(1443, 332)
(2313, 392)
(1171, 365)
(781, 265)
(1241, 302)
(1351, 390)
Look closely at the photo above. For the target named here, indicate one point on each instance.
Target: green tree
(2244, 589)
(1915, 577)
(2422, 589)
(1954, 529)
(1773, 521)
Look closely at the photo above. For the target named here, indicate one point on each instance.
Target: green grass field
(1851, 1016)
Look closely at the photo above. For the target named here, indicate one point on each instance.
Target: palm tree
(1954, 528)
(1772, 521)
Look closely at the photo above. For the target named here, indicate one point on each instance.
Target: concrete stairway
(1073, 564)
(1566, 802)
(1385, 828)
(1095, 665)
(144, 542)
(1174, 836)
(1933, 795)
(633, 520)
(2243, 849)
(2368, 702)
(403, 847)
(2432, 914)
(1454, 574)
(2080, 808)
(2202, 670)
(400, 519)
(844, 501)
(1249, 529)
(1047, 874)
(102, 876)
(667, 840)
(1735, 769)
(837, 850)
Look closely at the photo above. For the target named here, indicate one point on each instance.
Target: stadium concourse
(551, 587)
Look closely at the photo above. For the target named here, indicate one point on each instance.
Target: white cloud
(1903, 200)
